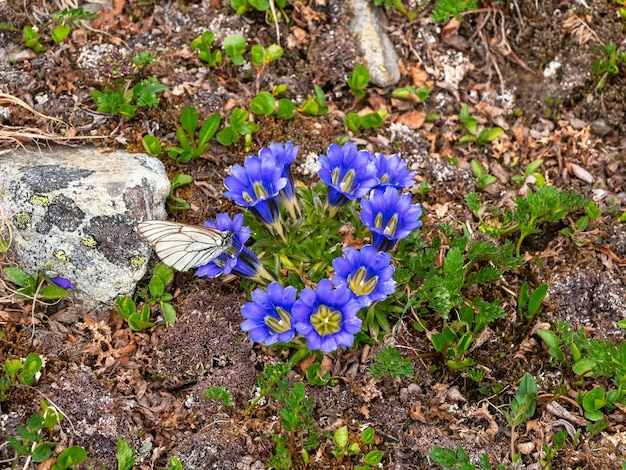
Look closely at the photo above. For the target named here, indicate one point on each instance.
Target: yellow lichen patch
(137, 262)
(38, 200)
(89, 242)
(22, 221)
(61, 255)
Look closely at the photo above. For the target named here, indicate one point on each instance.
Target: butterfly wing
(183, 246)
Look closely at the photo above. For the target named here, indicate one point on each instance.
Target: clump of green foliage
(479, 137)
(123, 96)
(611, 62)
(139, 320)
(547, 204)
(61, 22)
(446, 9)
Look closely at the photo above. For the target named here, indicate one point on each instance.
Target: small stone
(601, 127)
(577, 124)
(378, 53)
(525, 448)
(582, 174)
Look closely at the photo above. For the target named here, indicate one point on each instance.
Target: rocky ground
(148, 386)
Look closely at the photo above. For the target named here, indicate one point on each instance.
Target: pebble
(378, 53)
(581, 173)
(601, 127)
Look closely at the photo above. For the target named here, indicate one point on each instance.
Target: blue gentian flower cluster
(325, 316)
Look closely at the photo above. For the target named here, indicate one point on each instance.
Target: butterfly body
(183, 246)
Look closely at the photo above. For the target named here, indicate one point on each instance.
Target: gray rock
(379, 55)
(76, 211)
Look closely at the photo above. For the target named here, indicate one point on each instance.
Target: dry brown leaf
(412, 119)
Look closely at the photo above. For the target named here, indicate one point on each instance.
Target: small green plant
(125, 455)
(140, 319)
(240, 125)
(550, 451)
(31, 439)
(356, 123)
(547, 205)
(445, 9)
(553, 105)
(358, 81)
(190, 146)
(62, 23)
(406, 92)
(202, 44)
(70, 458)
(174, 464)
(220, 394)
(388, 361)
(522, 407)
(41, 287)
(262, 57)
(438, 288)
(529, 303)
(18, 371)
(121, 96)
(592, 213)
(314, 375)
(470, 123)
(612, 62)
(531, 174)
(175, 203)
(482, 179)
(235, 47)
(344, 448)
(242, 6)
(316, 104)
(450, 459)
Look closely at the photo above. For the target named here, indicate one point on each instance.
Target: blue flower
(256, 186)
(268, 316)
(389, 216)
(285, 155)
(62, 282)
(327, 317)
(349, 174)
(391, 171)
(367, 273)
(238, 259)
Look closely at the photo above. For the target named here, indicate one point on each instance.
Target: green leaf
(209, 128)
(274, 52)
(156, 286)
(71, 457)
(477, 168)
(263, 103)
(235, 46)
(169, 314)
(359, 80)
(353, 122)
(43, 451)
(189, 120)
(340, 438)
(584, 367)
(164, 272)
(125, 455)
(286, 108)
(227, 137)
(489, 135)
(367, 436)
(125, 307)
(16, 275)
(60, 33)
(444, 457)
(12, 366)
(179, 180)
(152, 145)
(522, 299)
(536, 299)
(257, 55)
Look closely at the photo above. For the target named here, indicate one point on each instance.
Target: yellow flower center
(392, 226)
(361, 286)
(282, 325)
(326, 321)
(345, 185)
(260, 191)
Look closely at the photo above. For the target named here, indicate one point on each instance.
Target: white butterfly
(183, 246)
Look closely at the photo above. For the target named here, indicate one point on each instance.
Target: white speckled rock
(379, 55)
(76, 211)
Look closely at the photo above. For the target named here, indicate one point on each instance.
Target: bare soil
(148, 387)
